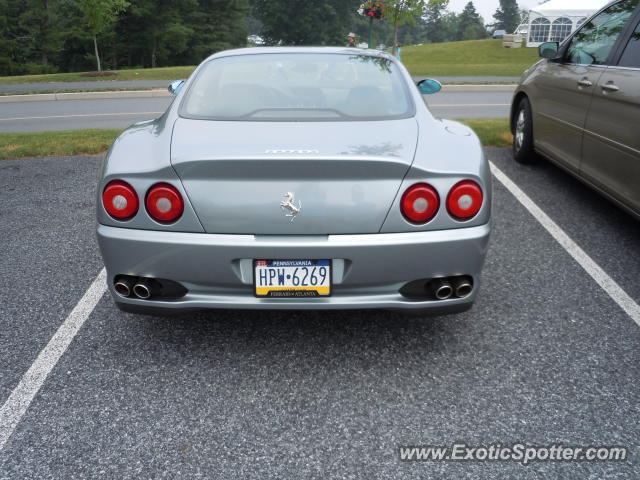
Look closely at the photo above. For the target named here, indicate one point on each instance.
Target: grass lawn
(470, 58)
(75, 90)
(62, 143)
(492, 132)
(165, 73)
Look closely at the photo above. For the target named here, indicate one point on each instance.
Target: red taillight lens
(464, 200)
(164, 203)
(120, 200)
(420, 203)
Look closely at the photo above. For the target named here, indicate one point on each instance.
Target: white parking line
(607, 283)
(18, 402)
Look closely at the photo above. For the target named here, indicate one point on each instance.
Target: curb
(44, 97)
(478, 88)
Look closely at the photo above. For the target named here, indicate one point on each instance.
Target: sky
(486, 8)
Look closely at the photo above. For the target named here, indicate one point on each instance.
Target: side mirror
(175, 87)
(429, 86)
(549, 50)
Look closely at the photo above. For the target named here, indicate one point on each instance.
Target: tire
(523, 151)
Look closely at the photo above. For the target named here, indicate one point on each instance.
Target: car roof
(285, 50)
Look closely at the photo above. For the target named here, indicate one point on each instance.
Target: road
(470, 104)
(120, 113)
(545, 356)
(21, 88)
(79, 114)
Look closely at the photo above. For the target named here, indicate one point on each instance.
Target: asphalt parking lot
(545, 356)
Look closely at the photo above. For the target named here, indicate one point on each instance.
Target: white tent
(555, 20)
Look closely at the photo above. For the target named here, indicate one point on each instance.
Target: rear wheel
(523, 134)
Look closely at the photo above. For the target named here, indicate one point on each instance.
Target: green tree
(507, 16)
(155, 31)
(9, 46)
(39, 30)
(470, 24)
(100, 16)
(217, 25)
(298, 22)
(450, 22)
(434, 16)
(402, 12)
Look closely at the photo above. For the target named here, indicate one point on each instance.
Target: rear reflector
(120, 200)
(164, 203)
(464, 200)
(420, 203)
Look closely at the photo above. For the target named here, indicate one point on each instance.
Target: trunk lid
(342, 176)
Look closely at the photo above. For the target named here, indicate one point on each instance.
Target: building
(555, 20)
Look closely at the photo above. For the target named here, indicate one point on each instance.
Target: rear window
(298, 87)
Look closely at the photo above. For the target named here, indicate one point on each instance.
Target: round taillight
(164, 203)
(464, 200)
(420, 203)
(120, 200)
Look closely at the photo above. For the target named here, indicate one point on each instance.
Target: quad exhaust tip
(142, 289)
(123, 286)
(462, 287)
(441, 288)
(139, 287)
(448, 287)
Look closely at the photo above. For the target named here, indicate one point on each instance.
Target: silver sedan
(295, 178)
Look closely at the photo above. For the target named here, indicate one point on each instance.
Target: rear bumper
(369, 270)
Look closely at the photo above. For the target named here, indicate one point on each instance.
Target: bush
(8, 67)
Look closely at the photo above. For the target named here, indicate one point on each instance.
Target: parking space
(49, 253)
(608, 234)
(545, 356)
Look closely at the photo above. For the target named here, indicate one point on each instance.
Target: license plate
(292, 278)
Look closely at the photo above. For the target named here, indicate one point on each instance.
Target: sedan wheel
(523, 134)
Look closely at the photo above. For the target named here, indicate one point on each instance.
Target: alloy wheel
(520, 124)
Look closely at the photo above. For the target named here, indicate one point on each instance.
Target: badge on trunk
(289, 207)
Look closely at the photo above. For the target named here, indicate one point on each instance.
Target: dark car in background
(580, 105)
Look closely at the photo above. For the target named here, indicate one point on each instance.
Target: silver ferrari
(295, 178)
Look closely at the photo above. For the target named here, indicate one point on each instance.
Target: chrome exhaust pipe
(441, 288)
(143, 288)
(123, 286)
(462, 287)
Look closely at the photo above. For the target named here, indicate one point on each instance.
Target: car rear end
(300, 213)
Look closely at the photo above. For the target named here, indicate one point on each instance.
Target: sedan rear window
(298, 87)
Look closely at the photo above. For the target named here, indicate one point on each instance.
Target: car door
(611, 148)
(565, 86)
